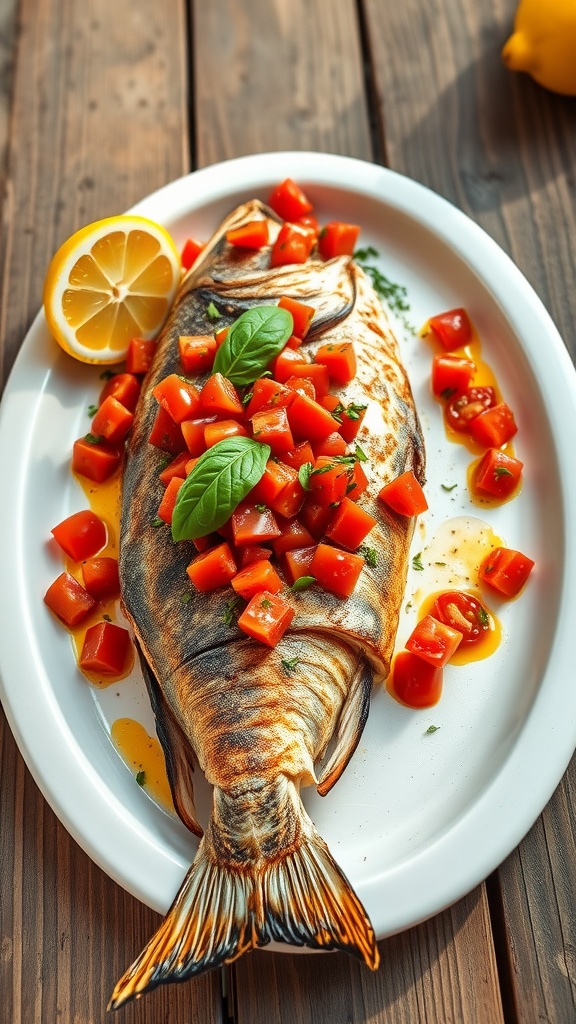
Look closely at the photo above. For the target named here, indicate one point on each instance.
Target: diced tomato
(351, 419)
(309, 420)
(197, 352)
(175, 468)
(497, 474)
(112, 421)
(124, 387)
(166, 506)
(462, 409)
(415, 682)
(221, 429)
(211, 540)
(294, 535)
(297, 562)
(350, 525)
(334, 444)
(339, 358)
(81, 535)
(289, 201)
(309, 222)
(266, 618)
(297, 456)
(294, 341)
(315, 517)
(256, 577)
(251, 553)
(317, 374)
(433, 641)
(290, 500)
(272, 482)
(190, 252)
(465, 613)
(506, 571)
(166, 434)
(303, 385)
(96, 460)
(283, 365)
(252, 235)
(329, 480)
(68, 599)
(220, 336)
(335, 570)
(404, 495)
(337, 239)
(101, 577)
(220, 396)
(190, 463)
(494, 427)
(194, 436)
(268, 394)
(178, 397)
(301, 315)
(139, 356)
(105, 649)
(451, 375)
(271, 426)
(252, 525)
(213, 568)
(293, 245)
(331, 402)
(359, 482)
(452, 328)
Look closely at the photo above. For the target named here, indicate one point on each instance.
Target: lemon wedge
(109, 282)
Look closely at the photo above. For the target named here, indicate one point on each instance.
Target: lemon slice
(111, 281)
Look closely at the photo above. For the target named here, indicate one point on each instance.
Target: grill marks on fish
(259, 733)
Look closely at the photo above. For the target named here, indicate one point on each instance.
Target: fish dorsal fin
(350, 726)
(177, 753)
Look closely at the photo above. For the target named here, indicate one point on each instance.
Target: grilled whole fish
(262, 872)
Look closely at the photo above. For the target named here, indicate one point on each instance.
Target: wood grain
(271, 75)
(98, 120)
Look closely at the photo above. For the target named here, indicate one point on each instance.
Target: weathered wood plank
(251, 57)
(98, 120)
(276, 76)
(503, 150)
(433, 974)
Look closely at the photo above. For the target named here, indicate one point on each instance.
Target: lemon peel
(111, 281)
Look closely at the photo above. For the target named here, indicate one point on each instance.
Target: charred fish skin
(262, 872)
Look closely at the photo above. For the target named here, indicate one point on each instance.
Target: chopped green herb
(212, 312)
(360, 455)
(261, 507)
(265, 603)
(303, 582)
(445, 487)
(304, 474)
(394, 294)
(157, 522)
(289, 664)
(141, 778)
(353, 410)
(337, 412)
(488, 568)
(230, 611)
(483, 617)
(431, 729)
(107, 618)
(186, 598)
(164, 461)
(439, 563)
(248, 398)
(417, 562)
(502, 471)
(93, 438)
(407, 606)
(370, 554)
(92, 410)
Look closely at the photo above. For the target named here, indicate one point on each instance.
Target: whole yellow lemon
(544, 43)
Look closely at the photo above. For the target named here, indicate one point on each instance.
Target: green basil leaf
(221, 478)
(253, 340)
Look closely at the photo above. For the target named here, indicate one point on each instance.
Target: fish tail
(308, 901)
(211, 922)
(235, 898)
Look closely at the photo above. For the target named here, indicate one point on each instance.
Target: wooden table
(103, 101)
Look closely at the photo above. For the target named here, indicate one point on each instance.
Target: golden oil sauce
(450, 562)
(143, 754)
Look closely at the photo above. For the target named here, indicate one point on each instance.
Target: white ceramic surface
(417, 820)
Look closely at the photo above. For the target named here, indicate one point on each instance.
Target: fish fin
(308, 901)
(177, 752)
(211, 922)
(350, 727)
